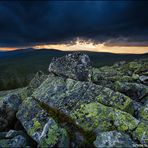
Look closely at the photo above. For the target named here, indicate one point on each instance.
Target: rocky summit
(78, 105)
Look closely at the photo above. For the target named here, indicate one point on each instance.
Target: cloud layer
(110, 22)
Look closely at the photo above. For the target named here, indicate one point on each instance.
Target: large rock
(67, 95)
(97, 117)
(42, 128)
(113, 139)
(135, 91)
(116, 100)
(79, 100)
(108, 75)
(75, 66)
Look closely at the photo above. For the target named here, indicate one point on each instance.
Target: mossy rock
(42, 128)
(105, 75)
(123, 121)
(67, 95)
(115, 100)
(131, 66)
(143, 113)
(97, 117)
(141, 133)
(93, 115)
(54, 136)
(137, 66)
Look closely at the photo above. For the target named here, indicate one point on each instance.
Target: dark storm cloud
(113, 22)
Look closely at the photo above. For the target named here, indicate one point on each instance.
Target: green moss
(23, 93)
(132, 66)
(135, 76)
(64, 139)
(115, 100)
(141, 133)
(143, 113)
(125, 78)
(36, 126)
(129, 107)
(94, 116)
(117, 86)
(71, 127)
(124, 121)
(91, 116)
(52, 135)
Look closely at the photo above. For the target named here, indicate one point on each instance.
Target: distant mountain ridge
(21, 52)
(4, 54)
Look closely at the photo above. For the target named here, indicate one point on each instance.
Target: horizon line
(76, 50)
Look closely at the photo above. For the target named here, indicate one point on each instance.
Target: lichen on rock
(97, 117)
(141, 133)
(39, 125)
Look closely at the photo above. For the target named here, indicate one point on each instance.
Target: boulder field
(77, 105)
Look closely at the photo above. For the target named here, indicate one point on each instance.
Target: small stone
(13, 101)
(18, 141)
(37, 80)
(143, 79)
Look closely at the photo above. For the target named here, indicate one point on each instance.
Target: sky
(110, 26)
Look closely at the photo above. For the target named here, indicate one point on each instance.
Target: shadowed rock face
(133, 90)
(7, 118)
(77, 105)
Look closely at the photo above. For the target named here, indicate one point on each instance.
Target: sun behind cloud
(82, 45)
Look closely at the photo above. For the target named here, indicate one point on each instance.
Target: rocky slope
(77, 105)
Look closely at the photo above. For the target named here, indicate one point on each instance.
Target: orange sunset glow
(81, 45)
(7, 48)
